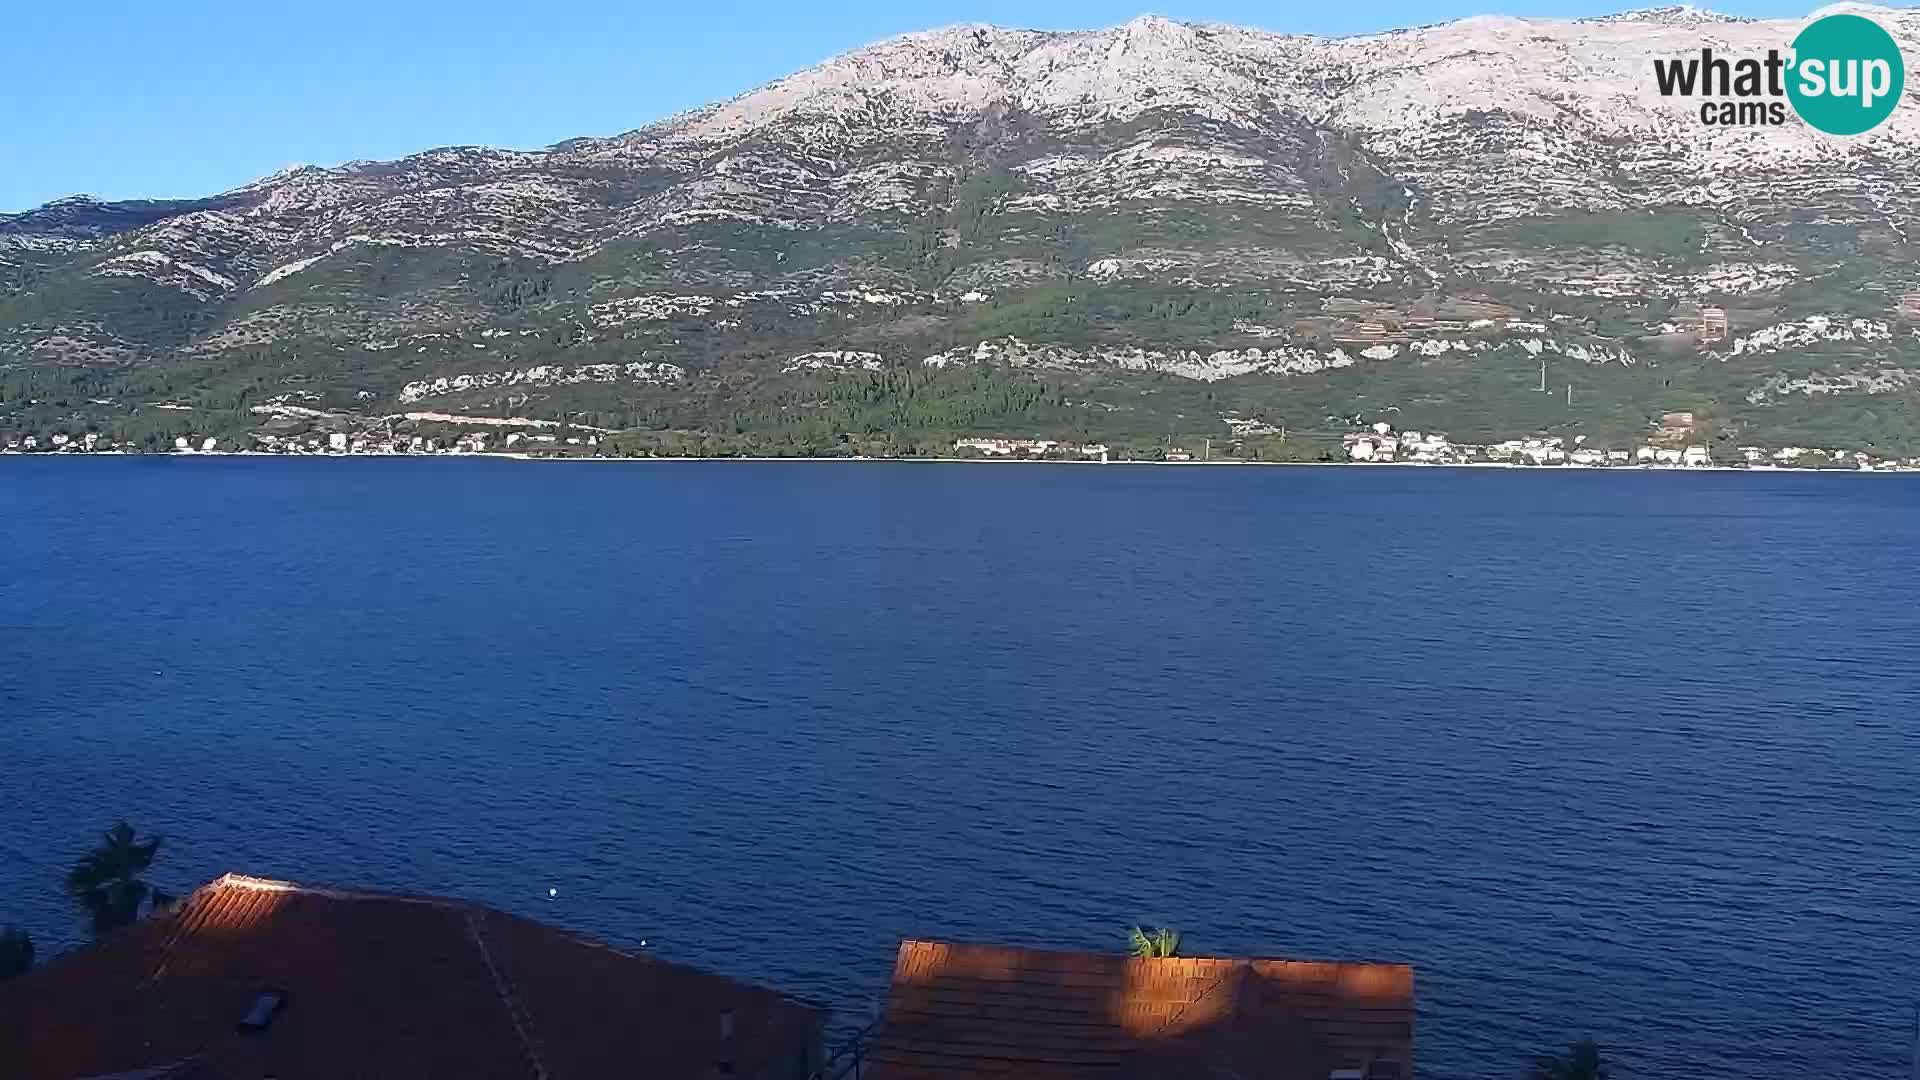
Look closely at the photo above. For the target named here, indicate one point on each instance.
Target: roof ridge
(182, 911)
(1328, 963)
(253, 883)
(232, 880)
(516, 1009)
(907, 942)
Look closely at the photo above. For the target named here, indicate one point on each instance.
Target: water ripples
(1620, 755)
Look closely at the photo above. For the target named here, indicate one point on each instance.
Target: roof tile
(967, 1012)
(379, 984)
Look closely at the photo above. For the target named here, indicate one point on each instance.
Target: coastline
(581, 459)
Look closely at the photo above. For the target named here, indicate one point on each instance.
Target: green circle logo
(1847, 74)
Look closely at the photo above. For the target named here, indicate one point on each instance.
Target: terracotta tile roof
(379, 985)
(976, 1011)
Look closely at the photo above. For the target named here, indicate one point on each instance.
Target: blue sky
(144, 100)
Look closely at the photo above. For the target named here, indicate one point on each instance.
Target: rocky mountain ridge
(1280, 217)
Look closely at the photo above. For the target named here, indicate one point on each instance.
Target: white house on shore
(1031, 447)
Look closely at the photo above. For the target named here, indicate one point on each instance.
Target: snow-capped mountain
(1328, 204)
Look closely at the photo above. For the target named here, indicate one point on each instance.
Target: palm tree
(106, 882)
(1581, 1062)
(1155, 943)
(16, 952)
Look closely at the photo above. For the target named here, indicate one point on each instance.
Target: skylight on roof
(266, 1005)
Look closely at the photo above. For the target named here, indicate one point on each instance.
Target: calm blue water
(1625, 755)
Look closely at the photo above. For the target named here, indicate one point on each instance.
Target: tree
(106, 882)
(1581, 1062)
(16, 952)
(1155, 943)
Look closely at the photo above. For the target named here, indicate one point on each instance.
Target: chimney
(724, 1066)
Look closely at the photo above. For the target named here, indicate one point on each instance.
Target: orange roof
(378, 984)
(976, 1011)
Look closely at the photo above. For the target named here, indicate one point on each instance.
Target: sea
(1624, 755)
